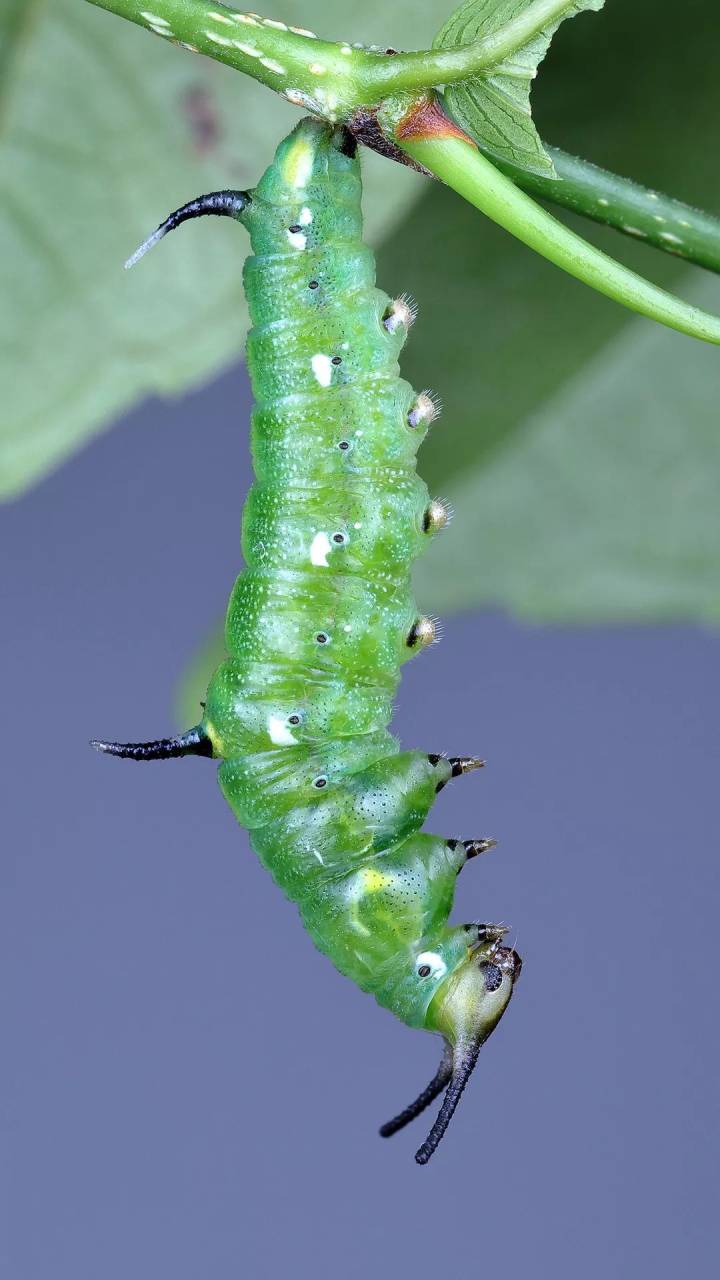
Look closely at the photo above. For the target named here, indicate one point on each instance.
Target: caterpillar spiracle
(322, 619)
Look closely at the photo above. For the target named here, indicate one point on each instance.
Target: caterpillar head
(465, 1010)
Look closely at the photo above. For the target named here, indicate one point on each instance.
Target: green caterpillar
(323, 617)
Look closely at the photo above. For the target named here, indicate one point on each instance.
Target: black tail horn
(225, 204)
(193, 743)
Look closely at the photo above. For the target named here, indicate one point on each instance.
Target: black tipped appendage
(193, 743)
(224, 204)
(464, 764)
(460, 1076)
(428, 1095)
(473, 848)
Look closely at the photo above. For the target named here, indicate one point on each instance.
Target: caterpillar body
(322, 619)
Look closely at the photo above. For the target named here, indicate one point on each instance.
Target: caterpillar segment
(322, 619)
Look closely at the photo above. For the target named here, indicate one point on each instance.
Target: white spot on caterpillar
(272, 66)
(322, 368)
(435, 963)
(249, 49)
(279, 732)
(297, 239)
(220, 17)
(320, 548)
(305, 217)
(317, 69)
(216, 39)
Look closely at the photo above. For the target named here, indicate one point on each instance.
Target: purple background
(189, 1089)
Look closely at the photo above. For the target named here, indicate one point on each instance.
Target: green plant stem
(347, 78)
(432, 67)
(651, 216)
(334, 80)
(461, 166)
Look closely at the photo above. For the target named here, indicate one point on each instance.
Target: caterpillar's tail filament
(424, 1099)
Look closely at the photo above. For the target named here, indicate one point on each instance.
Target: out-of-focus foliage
(103, 130)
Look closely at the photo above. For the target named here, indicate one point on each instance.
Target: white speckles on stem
(317, 69)
(279, 732)
(272, 66)
(320, 549)
(296, 239)
(322, 368)
(635, 231)
(346, 49)
(154, 19)
(273, 22)
(671, 239)
(683, 223)
(603, 201)
(216, 39)
(303, 31)
(657, 217)
(653, 195)
(220, 17)
(301, 99)
(248, 18)
(248, 49)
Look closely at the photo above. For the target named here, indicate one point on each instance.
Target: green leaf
(494, 108)
(103, 130)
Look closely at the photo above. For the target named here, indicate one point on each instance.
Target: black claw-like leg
(464, 764)
(423, 1100)
(193, 743)
(225, 204)
(458, 765)
(473, 848)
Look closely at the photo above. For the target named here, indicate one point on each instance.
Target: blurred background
(188, 1087)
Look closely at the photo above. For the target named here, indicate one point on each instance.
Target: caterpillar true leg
(322, 619)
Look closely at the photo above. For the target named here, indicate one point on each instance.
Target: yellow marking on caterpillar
(299, 163)
(373, 880)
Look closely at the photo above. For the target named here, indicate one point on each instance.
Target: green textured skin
(329, 536)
